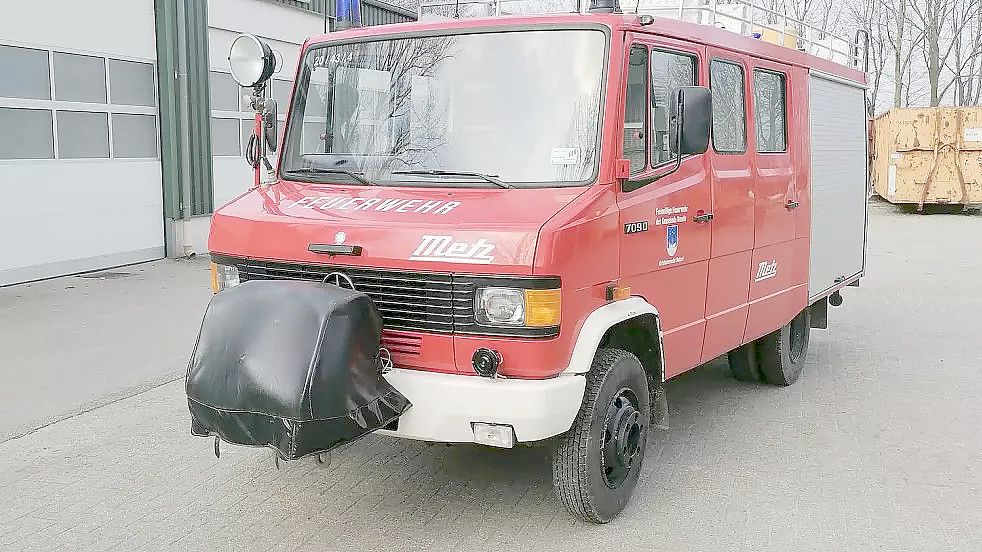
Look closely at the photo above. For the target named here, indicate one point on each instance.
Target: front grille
(401, 343)
(406, 300)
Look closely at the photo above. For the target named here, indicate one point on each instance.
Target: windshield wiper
(492, 178)
(320, 170)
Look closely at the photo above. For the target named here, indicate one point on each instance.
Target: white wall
(65, 216)
(285, 29)
(106, 26)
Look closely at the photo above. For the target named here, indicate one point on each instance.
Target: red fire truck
(555, 214)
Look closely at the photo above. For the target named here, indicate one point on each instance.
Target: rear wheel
(781, 354)
(743, 362)
(597, 462)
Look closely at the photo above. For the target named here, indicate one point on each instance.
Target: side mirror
(692, 116)
(270, 123)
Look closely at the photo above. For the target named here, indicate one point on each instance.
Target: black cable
(252, 151)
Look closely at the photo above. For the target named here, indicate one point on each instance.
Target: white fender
(599, 322)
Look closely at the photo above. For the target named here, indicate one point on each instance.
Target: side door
(775, 200)
(732, 165)
(664, 253)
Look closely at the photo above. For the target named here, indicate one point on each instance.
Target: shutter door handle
(791, 204)
(703, 217)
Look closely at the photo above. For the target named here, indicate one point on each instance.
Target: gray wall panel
(202, 198)
(838, 181)
(195, 157)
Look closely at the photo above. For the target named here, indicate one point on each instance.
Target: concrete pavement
(71, 344)
(877, 447)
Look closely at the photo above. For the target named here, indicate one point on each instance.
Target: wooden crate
(928, 155)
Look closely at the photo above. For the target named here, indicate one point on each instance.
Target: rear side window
(770, 111)
(669, 72)
(635, 109)
(726, 81)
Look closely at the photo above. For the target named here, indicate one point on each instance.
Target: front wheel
(597, 462)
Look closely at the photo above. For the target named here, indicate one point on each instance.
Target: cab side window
(669, 72)
(769, 111)
(726, 82)
(635, 130)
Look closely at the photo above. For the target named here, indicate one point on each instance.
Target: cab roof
(616, 22)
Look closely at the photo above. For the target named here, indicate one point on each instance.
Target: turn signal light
(621, 293)
(214, 278)
(615, 292)
(543, 307)
(223, 277)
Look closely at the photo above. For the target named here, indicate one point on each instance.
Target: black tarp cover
(289, 365)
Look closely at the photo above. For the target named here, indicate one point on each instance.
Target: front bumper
(445, 405)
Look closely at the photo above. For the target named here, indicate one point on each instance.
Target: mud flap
(659, 407)
(820, 314)
(289, 365)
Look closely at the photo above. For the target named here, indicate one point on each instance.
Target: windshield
(521, 108)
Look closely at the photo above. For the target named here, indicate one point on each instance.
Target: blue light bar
(348, 14)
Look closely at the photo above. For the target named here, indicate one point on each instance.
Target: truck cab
(555, 214)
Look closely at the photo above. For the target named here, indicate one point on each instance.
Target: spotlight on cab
(252, 61)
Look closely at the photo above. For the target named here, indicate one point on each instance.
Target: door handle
(791, 204)
(704, 217)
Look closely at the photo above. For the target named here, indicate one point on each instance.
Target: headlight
(223, 277)
(530, 308)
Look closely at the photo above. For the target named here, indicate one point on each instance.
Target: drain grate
(105, 275)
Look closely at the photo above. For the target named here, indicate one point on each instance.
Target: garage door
(79, 154)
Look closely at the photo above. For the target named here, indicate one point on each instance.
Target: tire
(593, 475)
(743, 363)
(781, 354)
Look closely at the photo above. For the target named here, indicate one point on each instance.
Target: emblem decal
(385, 205)
(672, 239)
(765, 270)
(339, 279)
(340, 237)
(671, 215)
(446, 249)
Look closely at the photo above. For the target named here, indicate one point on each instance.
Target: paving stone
(876, 448)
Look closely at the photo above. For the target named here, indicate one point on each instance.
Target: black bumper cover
(289, 365)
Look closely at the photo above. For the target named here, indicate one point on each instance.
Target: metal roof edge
(391, 7)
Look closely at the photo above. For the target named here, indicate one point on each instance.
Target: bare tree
(916, 89)
(945, 25)
(872, 17)
(903, 40)
(963, 61)
(929, 19)
(823, 14)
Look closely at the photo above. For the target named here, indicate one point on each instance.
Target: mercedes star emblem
(339, 279)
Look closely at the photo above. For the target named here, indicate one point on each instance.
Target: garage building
(103, 160)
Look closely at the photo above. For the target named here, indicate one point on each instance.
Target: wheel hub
(622, 438)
